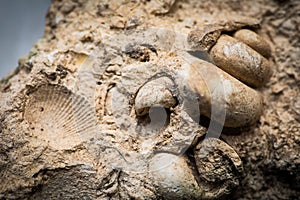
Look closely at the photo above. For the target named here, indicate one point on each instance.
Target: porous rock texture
(50, 161)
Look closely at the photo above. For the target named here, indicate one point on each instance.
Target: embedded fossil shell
(219, 92)
(154, 93)
(59, 117)
(173, 177)
(241, 61)
(253, 40)
(219, 165)
(204, 39)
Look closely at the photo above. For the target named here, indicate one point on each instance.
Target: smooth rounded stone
(173, 178)
(255, 41)
(241, 61)
(219, 93)
(155, 93)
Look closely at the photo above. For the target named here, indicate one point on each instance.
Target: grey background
(22, 23)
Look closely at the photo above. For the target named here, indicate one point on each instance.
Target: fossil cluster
(157, 103)
(138, 105)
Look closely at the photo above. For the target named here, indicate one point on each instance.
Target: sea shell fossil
(154, 93)
(177, 166)
(218, 164)
(209, 173)
(254, 41)
(173, 177)
(241, 61)
(219, 92)
(205, 38)
(59, 117)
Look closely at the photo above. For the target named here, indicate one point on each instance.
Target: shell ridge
(63, 106)
(80, 120)
(63, 115)
(70, 110)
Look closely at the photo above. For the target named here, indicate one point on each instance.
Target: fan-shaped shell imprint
(60, 117)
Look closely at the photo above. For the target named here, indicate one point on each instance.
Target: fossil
(133, 97)
(175, 178)
(156, 103)
(206, 37)
(154, 93)
(59, 116)
(250, 67)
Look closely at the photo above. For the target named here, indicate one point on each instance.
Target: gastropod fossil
(154, 93)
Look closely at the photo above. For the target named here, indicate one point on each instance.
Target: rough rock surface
(52, 161)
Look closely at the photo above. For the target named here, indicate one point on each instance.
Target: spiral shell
(154, 93)
(241, 61)
(204, 39)
(220, 91)
(255, 41)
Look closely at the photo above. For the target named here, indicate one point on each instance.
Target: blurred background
(22, 23)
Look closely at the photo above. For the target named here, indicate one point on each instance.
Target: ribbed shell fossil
(58, 116)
